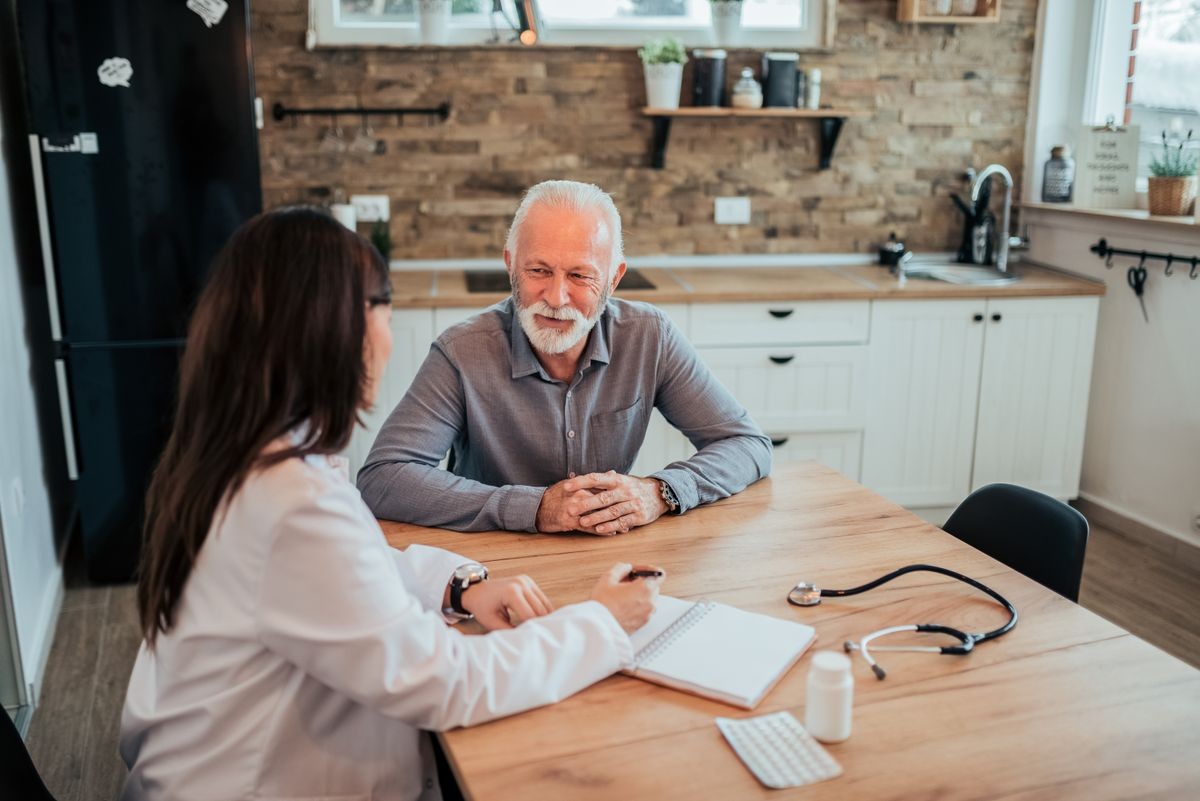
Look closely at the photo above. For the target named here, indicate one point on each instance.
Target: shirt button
(570, 475)
(570, 435)
(429, 784)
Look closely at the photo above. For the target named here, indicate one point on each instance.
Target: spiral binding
(672, 633)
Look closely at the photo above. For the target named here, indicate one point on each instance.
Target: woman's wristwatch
(464, 577)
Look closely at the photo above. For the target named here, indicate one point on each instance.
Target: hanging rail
(1106, 252)
(281, 112)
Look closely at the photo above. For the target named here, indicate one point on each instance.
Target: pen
(636, 574)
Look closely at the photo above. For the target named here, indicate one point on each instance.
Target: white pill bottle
(829, 704)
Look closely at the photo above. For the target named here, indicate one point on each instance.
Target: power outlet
(731, 210)
(371, 208)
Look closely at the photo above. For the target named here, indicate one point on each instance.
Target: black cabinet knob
(779, 442)
(996, 317)
(782, 359)
(780, 314)
(978, 318)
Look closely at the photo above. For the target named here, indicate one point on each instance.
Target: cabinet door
(1037, 370)
(840, 450)
(412, 331)
(795, 388)
(923, 366)
(783, 323)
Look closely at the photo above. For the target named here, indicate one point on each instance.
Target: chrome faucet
(1002, 236)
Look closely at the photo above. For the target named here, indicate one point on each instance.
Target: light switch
(732, 210)
(371, 208)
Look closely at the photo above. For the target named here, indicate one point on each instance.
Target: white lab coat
(307, 655)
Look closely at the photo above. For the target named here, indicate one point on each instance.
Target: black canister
(779, 79)
(708, 72)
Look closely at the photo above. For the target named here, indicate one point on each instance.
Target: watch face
(470, 573)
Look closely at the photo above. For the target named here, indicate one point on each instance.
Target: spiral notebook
(716, 651)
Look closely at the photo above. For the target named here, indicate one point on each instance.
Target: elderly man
(543, 399)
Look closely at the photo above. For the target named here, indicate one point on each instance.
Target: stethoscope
(806, 594)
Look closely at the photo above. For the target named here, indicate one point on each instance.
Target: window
(790, 24)
(1162, 93)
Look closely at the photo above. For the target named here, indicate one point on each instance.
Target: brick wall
(942, 98)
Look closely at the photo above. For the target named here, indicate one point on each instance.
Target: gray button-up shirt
(514, 430)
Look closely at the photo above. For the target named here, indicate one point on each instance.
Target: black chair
(18, 777)
(1030, 532)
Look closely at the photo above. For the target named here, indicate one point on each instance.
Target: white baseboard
(47, 627)
(1110, 515)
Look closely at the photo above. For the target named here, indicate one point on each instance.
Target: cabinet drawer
(840, 450)
(786, 388)
(792, 323)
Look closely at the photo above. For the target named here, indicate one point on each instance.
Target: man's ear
(618, 274)
(507, 261)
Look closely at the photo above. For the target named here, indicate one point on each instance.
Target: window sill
(1137, 217)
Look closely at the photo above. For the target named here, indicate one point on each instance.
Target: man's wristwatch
(464, 576)
(668, 496)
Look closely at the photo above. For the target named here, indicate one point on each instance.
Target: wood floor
(1149, 586)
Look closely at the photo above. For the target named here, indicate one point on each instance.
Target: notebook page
(738, 654)
(666, 611)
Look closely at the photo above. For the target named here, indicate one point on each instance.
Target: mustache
(561, 313)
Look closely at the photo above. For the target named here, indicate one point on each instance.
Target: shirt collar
(524, 360)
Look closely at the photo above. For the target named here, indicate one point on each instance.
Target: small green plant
(1175, 162)
(381, 238)
(663, 51)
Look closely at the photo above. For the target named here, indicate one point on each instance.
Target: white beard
(551, 341)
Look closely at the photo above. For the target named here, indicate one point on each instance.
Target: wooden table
(1066, 705)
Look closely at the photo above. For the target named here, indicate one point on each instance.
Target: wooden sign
(1106, 168)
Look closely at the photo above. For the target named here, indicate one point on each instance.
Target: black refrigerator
(143, 139)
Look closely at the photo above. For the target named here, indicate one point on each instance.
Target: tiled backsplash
(943, 97)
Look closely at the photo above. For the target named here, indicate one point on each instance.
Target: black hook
(1168, 270)
(1108, 259)
(1192, 272)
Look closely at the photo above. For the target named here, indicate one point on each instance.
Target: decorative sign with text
(1106, 168)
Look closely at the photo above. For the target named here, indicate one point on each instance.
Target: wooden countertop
(448, 288)
(1066, 706)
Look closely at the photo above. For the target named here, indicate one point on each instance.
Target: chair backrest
(1030, 532)
(18, 777)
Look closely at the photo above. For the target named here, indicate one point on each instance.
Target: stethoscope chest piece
(805, 594)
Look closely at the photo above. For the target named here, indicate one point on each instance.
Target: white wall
(34, 572)
(1141, 452)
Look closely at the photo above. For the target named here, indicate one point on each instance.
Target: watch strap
(668, 496)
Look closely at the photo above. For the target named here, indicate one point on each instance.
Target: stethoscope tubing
(966, 640)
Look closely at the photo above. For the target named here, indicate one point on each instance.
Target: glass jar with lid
(1058, 179)
(747, 93)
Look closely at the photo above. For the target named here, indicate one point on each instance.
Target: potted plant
(726, 21)
(662, 61)
(1173, 177)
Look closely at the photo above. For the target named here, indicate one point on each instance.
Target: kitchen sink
(497, 280)
(959, 273)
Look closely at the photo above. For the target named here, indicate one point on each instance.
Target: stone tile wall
(942, 97)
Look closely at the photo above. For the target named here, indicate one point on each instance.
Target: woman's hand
(631, 602)
(503, 603)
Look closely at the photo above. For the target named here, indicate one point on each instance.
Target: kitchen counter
(415, 289)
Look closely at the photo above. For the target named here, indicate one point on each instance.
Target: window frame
(325, 30)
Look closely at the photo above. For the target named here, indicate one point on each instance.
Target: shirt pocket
(615, 438)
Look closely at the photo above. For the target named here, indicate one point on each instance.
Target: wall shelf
(911, 11)
(830, 119)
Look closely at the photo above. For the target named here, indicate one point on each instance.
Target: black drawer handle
(779, 442)
(978, 318)
(996, 317)
(780, 314)
(782, 359)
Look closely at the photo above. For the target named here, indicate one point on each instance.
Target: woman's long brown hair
(276, 341)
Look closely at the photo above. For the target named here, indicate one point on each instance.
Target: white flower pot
(663, 82)
(726, 21)
(434, 18)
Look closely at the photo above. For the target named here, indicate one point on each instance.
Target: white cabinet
(1033, 393)
(924, 361)
(412, 332)
(966, 393)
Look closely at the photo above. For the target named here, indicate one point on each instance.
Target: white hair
(576, 196)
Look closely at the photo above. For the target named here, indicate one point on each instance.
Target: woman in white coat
(289, 653)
